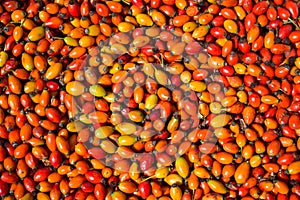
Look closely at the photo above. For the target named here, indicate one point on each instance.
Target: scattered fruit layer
(149, 99)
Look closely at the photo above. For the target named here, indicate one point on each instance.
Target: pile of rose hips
(149, 99)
